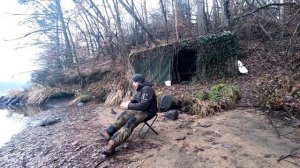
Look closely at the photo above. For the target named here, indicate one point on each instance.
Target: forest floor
(242, 137)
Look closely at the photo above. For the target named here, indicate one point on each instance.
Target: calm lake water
(14, 120)
(11, 123)
(2, 93)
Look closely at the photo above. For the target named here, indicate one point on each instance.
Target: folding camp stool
(149, 126)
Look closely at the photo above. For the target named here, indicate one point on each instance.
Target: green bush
(202, 95)
(219, 91)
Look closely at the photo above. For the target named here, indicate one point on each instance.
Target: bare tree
(215, 15)
(164, 13)
(68, 50)
(138, 20)
(117, 19)
(200, 18)
(99, 25)
(226, 15)
(105, 22)
(145, 18)
(175, 13)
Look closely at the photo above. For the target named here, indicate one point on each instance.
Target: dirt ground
(237, 138)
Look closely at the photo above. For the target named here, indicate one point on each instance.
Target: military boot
(105, 135)
(109, 149)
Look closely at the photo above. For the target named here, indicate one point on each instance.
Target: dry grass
(82, 98)
(17, 93)
(199, 107)
(38, 95)
(114, 98)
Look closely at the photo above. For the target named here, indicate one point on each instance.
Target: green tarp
(214, 55)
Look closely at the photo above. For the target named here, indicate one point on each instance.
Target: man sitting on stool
(144, 104)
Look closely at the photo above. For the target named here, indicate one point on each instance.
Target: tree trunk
(105, 22)
(58, 54)
(85, 37)
(189, 19)
(145, 20)
(139, 21)
(88, 28)
(109, 34)
(214, 16)
(226, 15)
(116, 16)
(135, 26)
(175, 10)
(164, 13)
(76, 59)
(200, 18)
(94, 24)
(68, 51)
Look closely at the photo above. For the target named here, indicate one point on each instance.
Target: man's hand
(124, 105)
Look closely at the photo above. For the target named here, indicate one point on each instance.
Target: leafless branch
(264, 30)
(291, 40)
(33, 32)
(265, 6)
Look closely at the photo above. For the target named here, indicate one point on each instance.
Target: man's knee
(131, 121)
(111, 130)
(122, 114)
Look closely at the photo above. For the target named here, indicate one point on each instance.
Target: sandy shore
(237, 138)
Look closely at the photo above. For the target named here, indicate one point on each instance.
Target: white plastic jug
(168, 83)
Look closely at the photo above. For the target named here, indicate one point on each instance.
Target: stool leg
(149, 127)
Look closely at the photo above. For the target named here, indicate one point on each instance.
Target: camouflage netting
(200, 58)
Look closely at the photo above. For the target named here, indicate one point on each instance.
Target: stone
(45, 122)
(172, 115)
(185, 109)
(80, 104)
(166, 103)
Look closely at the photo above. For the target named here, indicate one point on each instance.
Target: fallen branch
(291, 154)
(100, 162)
(276, 130)
(144, 160)
(140, 163)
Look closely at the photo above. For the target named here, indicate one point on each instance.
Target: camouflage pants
(125, 124)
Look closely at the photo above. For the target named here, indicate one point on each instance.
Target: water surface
(11, 123)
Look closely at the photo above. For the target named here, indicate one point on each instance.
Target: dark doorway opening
(184, 65)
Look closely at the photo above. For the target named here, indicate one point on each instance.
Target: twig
(292, 153)
(257, 52)
(103, 158)
(98, 164)
(265, 6)
(271, 122)
(140, 164)
(144, 160)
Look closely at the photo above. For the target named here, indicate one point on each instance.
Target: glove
(124, 105)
